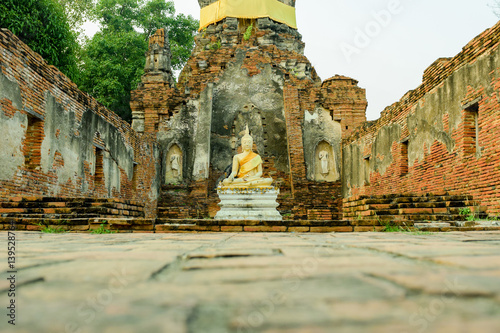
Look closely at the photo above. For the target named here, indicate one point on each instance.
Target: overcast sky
(384, 44)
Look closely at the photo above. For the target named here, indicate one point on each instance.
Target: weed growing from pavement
(50, 230)
(102, 230)
(467, 212)
(391, 227)
(395, 227)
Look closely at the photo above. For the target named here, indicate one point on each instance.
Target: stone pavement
(262, 282)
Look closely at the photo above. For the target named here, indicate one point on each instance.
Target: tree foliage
(113, 65)
(181, 34)
(78, 12)
(43, 26)
(496, 8)
(113, 60)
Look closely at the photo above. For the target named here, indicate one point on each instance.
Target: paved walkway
(269, 283)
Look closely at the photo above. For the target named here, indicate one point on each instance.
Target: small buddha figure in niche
(247, 167)
(175, 164)
(323, 157)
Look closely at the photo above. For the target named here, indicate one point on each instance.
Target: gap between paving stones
(167, 272)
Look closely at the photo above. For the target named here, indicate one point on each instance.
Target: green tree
(181, 34)
(43, 26)
(496, 8)
(113, 65)
(113, 60)
(77, 13)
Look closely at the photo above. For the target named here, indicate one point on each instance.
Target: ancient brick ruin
(68, 158)
(439, 143)
(65, 156)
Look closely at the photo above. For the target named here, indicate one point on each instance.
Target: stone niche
(322, 141)
(173, 167)
(325, 165)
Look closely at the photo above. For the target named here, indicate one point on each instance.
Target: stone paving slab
(262, 282)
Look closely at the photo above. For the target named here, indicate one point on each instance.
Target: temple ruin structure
(429, 156)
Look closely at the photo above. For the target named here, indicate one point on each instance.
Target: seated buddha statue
(247, 167)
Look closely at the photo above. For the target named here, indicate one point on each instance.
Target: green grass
(394, 227)
(215, 46)
(50, 230)
(102, 230)
(467, 212)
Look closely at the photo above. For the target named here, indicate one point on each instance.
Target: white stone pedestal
(248, 204)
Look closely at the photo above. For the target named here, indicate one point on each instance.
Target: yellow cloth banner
(252, 9)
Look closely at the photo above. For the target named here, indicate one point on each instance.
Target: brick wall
(60, 142)
(345, 101)
(441, 138)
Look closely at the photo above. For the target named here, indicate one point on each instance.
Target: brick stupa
(247, 71)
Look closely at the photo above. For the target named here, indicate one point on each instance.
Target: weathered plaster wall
(426, 143)
(12, 129)
(52, 133)
(202, 127)
(180, 131)
(319, 127)
(256, 101)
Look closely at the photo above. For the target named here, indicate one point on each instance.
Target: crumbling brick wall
(439, 138)
(346, 102)
(59, 142)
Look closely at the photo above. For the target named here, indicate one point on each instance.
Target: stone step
(194, 226)
(406, 212)
(440, 198)
(409, 223)
(64, 217)
(54, 210)
(392, 205)
(53, 221)
(409, 218)
(80, 224)
(296, 223)
(166, 209)
(68, 208)
(71, 214)
(71, 200)
(51, 216)
(402, 197)
(172, 228)
(457, 226)
(186, 212)
(468, 200)
(432, 225)
(61, 206)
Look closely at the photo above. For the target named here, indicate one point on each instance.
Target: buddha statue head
(247, 141)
